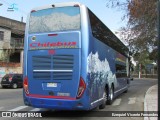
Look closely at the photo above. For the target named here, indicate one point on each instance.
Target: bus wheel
(103, 105)
(110, 96)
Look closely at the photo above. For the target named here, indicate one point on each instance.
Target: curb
(152, 100)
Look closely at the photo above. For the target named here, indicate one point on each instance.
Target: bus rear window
(55, 19)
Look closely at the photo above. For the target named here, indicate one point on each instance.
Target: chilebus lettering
(52, 44)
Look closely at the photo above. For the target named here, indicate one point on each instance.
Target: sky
(109, 16)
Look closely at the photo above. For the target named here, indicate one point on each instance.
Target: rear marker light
(25, 85)
(33, 11)
(52, 34)
(81, 88)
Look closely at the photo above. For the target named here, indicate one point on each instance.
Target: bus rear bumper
(57, 104)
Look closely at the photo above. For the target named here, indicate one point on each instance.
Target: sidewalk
(151, 101)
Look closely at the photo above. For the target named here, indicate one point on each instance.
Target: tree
(141, 30)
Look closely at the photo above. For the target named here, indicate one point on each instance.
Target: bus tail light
(25, 85)
(81, 88)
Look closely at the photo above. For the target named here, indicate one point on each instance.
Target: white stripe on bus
(97, 101)
(52, 70)
(120, 89)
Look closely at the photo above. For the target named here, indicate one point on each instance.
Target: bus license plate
(51, 84)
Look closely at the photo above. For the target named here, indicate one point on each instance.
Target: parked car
(12, 80)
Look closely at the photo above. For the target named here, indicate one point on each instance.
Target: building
(11, 45)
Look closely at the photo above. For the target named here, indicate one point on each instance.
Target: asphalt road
(133, 100)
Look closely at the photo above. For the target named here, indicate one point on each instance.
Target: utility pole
(140, 72)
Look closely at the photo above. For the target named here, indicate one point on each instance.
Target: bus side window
(121, 71)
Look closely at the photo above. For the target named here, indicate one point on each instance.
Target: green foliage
(141, 30)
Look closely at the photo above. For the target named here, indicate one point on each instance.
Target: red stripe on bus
(52, 34)
(55, 97)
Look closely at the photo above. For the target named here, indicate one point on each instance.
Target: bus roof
(58, 5)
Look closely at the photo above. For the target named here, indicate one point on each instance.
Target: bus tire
(110, 96)
(103, 105)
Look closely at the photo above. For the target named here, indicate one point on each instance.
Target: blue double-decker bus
(72, 61)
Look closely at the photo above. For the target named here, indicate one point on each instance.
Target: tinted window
(121, 71)
(55, 19)
(102, 33)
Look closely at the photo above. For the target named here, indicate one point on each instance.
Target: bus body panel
(54, 73)
(92, 60)
(55, 40)
(102, 71)
(59, 66)
(58, 104)
(41, 47)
